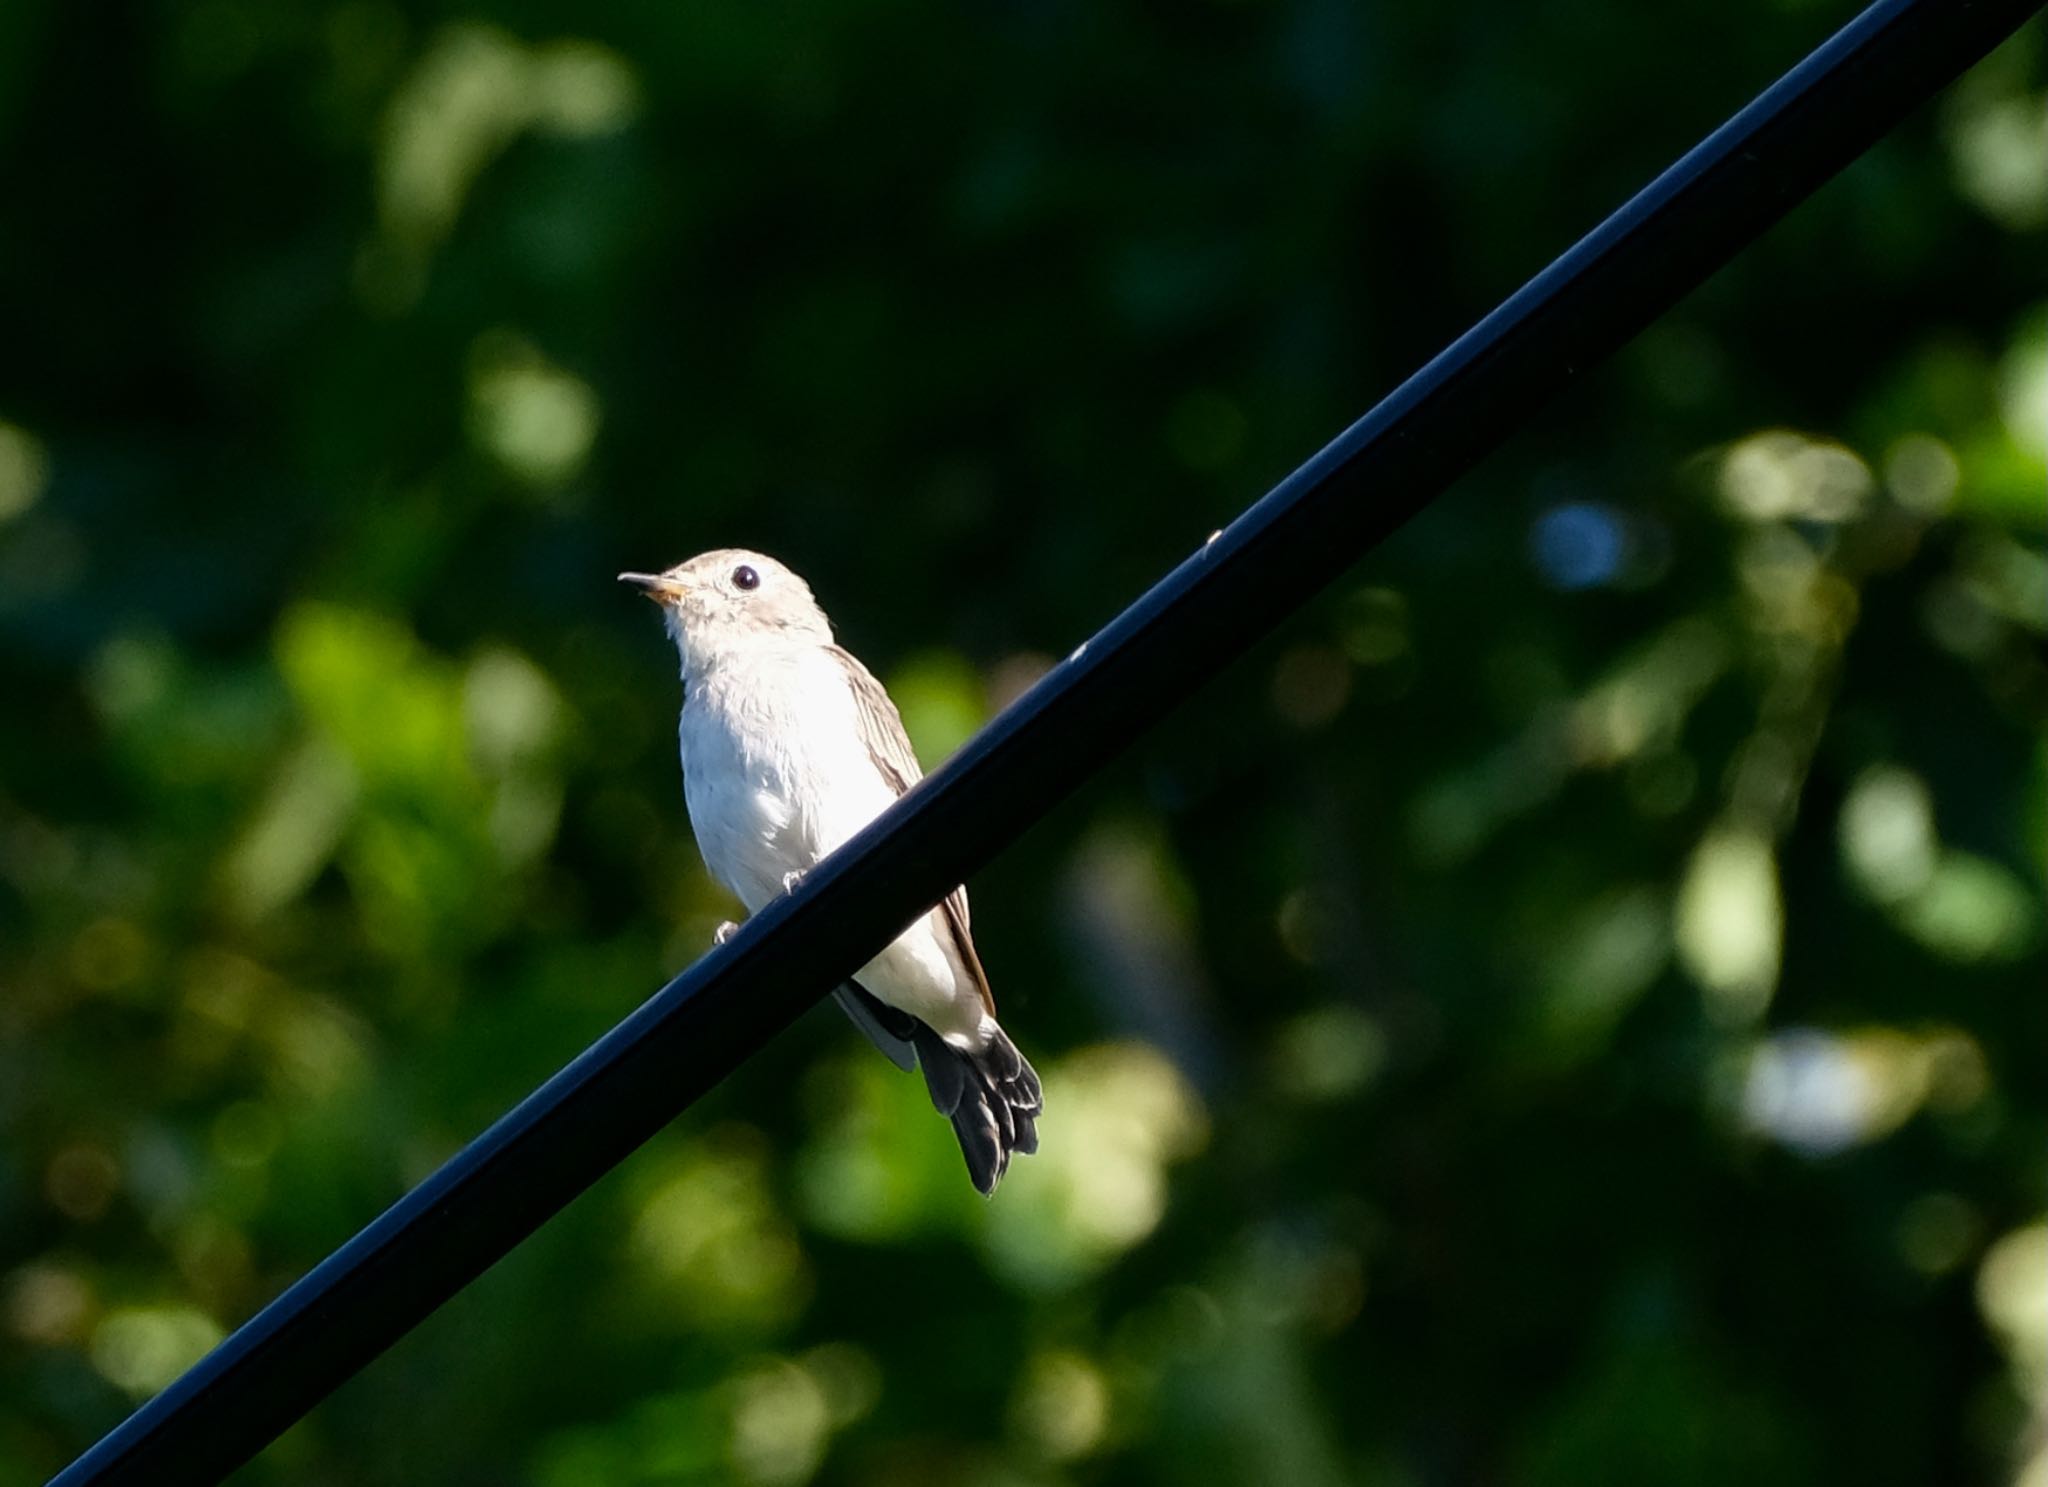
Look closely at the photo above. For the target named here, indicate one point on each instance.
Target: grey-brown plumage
(991, 1095)
(789, 747)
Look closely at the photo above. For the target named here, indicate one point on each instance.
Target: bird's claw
(724, 932)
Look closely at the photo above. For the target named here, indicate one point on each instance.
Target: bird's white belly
(916, 974)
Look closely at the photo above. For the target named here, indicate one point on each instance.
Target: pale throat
(737, 650)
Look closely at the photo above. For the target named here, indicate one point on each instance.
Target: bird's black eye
(744, 577)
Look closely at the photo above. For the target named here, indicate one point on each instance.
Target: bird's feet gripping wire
(728, 929)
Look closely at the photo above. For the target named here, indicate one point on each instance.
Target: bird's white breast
(774, 771)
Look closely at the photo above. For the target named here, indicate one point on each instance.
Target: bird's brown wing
(881, 729)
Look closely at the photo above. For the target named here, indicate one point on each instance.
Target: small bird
(790, 746)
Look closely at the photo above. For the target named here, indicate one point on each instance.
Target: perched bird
(790, 746)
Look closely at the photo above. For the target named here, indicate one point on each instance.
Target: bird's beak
(657, 586)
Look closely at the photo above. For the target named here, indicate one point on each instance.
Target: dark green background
(1568, 1010)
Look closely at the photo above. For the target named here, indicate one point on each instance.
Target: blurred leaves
(1567, 1009)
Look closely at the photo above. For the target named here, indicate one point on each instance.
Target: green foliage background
(1568, 1010)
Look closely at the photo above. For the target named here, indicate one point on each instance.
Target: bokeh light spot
(246, 1134)
(1820, 1092)
(535, 419)
(1061, 1407)
(2023, 390)
(142, 1348)
(1579, 545)
(1922, 474)
(1116, 1115)
(80, 1181)
(1887, 833)
(780, 1425)
(47, 1304)
(712, 1233)
(1973, 909)
(24, 470)
(1730, 922)
(109, 953)
(1330, 1053)
(473, 91)
(941, 700)
(2012, 1292)
(1599, 967)
(1784, 476)
(1999, 147)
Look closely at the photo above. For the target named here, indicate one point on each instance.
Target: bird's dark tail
(992, 1097)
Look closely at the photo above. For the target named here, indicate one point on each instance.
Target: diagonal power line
(1345, 500)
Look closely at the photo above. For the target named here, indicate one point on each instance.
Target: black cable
(1378, 473)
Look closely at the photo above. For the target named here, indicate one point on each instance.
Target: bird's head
(723, 602)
